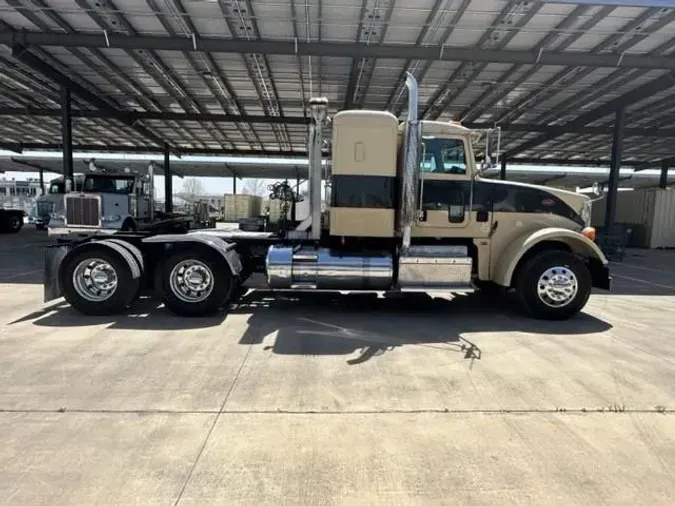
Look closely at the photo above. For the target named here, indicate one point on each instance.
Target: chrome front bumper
(81, 231)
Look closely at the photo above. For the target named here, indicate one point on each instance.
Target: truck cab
(51, 203)
(103, 201)
(456, 203)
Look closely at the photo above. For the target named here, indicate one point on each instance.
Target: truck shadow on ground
(144, 314)
(336, 324)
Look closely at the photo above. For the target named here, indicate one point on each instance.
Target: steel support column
(617, 148)
(67, 135)
(502, 170)
(168, 183)
(663, 180)
(234, 184)
(42, 181)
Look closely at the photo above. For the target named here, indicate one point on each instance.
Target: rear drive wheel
(195, 283)
(553, 285)
(98, 281)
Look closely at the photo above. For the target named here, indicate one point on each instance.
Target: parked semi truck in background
(407, 212)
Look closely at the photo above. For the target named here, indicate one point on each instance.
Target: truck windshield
(56, 188)
(444, 156)
(107, 184)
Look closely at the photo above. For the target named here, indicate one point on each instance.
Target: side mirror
(597, 189)
(490, 149)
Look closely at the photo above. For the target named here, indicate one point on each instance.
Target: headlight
(111, 217)
(586, 213)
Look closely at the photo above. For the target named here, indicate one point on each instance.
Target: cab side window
(443, 156)
(452, 154)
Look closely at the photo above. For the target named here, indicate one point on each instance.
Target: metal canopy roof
(234, 76)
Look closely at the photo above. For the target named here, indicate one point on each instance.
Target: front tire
(195, 283)
(98, 281)
(15, 223)
(553, 285)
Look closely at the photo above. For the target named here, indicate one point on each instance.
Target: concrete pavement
(339, 400)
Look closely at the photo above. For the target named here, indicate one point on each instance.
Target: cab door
(450, 204)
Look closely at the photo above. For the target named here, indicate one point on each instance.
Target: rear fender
(223, 248)
(514, 252)
(56, 256)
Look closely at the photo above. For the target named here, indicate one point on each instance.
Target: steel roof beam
(15, 147)
(47, 70)
(571, 76)
(152, 115)
(638, 94)
(102, 148)
(110, 19)
(108, 70)
(398, 85)
(499, 91)
(242, 24)
(212, 129)
(467, 73)
(295, 120)
(338, 49)
(362, 69)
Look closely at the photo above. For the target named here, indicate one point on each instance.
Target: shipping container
(663, 225)
(651, 213)
(274, 206)
(632, 207)
(236, 207)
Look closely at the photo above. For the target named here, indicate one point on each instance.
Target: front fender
(225, 249)
(514, 252)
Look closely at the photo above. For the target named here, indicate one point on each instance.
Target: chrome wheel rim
(557, 287)
(95, 280)
(191, 281)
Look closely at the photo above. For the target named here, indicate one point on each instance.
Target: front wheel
(195, 283)
(553, 285)
(15, 224)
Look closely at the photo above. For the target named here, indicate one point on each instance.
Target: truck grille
(83, 211)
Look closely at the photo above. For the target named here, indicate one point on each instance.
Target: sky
(212, 185)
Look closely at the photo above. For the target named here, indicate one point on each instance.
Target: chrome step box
(434, 268)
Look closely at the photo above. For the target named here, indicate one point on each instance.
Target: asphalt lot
(338, 399)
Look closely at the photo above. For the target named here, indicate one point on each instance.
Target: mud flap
(54, 255)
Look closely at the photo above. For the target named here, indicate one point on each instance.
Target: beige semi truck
(407, 211)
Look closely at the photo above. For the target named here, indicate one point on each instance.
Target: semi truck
(100, 200)
(407, 211)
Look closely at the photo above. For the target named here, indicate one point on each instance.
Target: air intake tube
(410, 173)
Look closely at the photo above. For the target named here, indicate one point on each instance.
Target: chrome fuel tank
(326, 270)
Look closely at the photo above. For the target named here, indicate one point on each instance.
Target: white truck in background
(101, 201)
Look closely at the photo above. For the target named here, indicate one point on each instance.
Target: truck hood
(575, 200)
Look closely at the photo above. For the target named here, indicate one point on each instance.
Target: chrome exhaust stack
(319, 110)
(410, 173)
